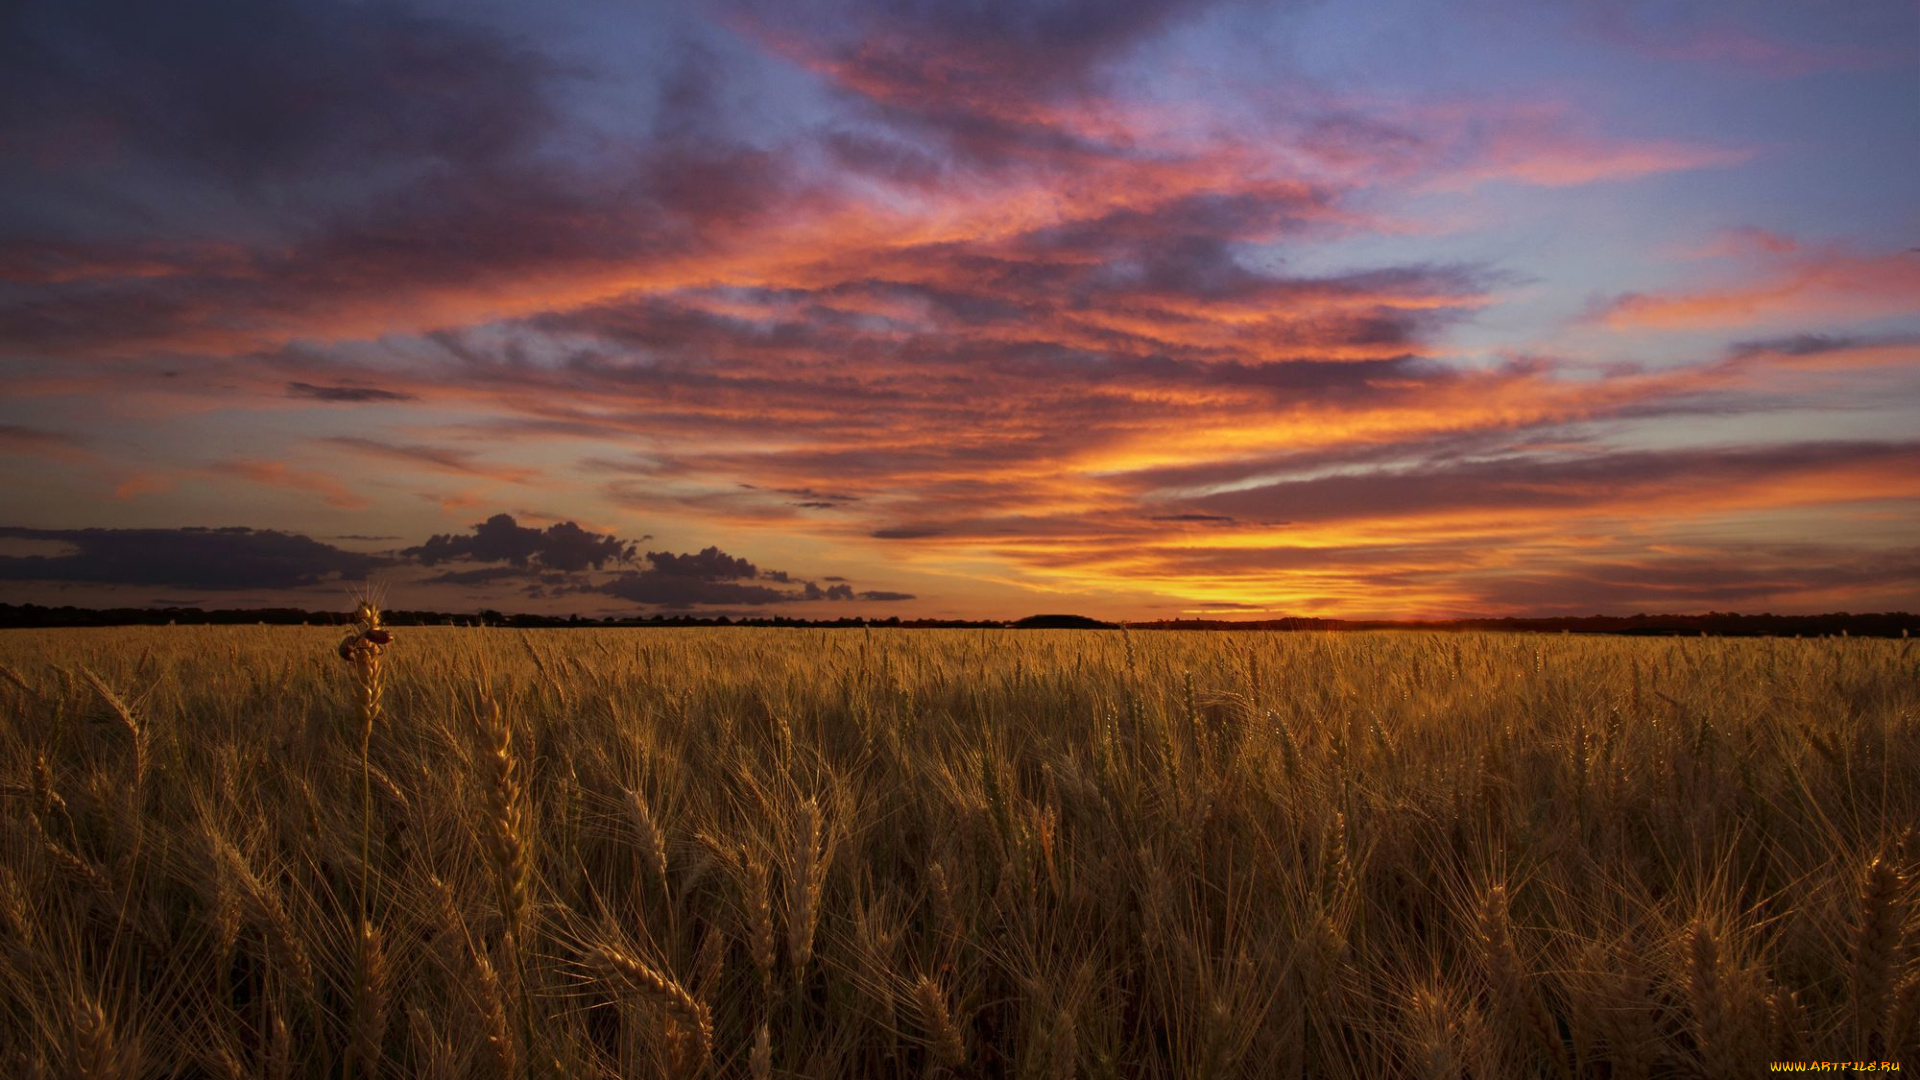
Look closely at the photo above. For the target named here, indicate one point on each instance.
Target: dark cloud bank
(559, 560)
(191, 558)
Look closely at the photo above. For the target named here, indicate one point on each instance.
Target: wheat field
(231, 852)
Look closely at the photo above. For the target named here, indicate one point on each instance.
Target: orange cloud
(137, 484)
(279, 475)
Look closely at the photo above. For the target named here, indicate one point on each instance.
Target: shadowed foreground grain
(953, 853)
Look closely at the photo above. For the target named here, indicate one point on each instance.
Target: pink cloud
(1723, 42)
(1782, 282)
(1551, 145)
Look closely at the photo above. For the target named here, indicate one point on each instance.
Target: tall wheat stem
(362, 649)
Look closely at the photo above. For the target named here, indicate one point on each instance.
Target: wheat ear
(760, 1060)
(263, 906)
(125, 714)
(506, 820)
(97, 1053)
(1433, 1036)
(652, 842)
(1515, 1000)
(803, 887)
(664, 993)
(943, 1034)
(496, 1029)
(1876, 938)
(1789, 1024)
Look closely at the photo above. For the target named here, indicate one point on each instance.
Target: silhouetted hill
(1062, 622)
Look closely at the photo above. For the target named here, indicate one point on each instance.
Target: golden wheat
(899, 854)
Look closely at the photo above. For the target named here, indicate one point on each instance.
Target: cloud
(1829, 351)
(1530, 156)
(438, 459)
(1830, 283)
(485, 575)
(189, 558)
(1743, 577)
(38, 442)
(279, 475)
(712, 564)
(267, 93)
(1701, 34)
(378, 169)
(675, 591)
(714, 578)
(987, 78)
(564, 546)
(1194, 519)
(1749, 476)
(346, 395)
(560, 560)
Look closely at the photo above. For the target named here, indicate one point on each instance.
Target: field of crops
(750, 853)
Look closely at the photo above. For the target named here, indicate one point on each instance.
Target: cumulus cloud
(711, 577)
(558, 560)
(711, 564)
(564, 546)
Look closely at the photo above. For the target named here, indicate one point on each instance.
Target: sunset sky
(933, 308)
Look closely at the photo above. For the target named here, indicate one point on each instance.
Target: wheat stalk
(1876, 939)
(97, 1052)
(1434, 1035)
(125, 714)
(1704, 992)
(1727, 1006)
(1789, 1024)
(652, 842)
(760, 1059)
(756, 889)
(46, 795)
(7, 673)
(370, 1001)
(277, 1063)
(76, 867)
(804, 880)
(496, 1031)
(1515, 999)
(664, 993)
(16, 917)
(506, 836)
(944, 1038)
(263, 904)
